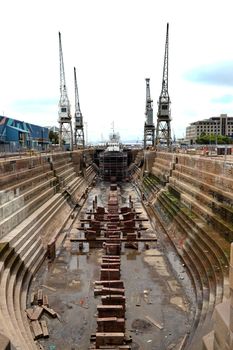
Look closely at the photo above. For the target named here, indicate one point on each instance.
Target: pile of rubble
(39, 305)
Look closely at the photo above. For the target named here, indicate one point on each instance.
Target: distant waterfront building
(222, 125)
(15, 134)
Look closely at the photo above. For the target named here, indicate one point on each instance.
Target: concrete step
(21, 186)
(10, 207)
(217, 202)
(68, 178)
(31, 257)
(61, 166)
(16, 218)
(218, 180)
(210, 239)
(13, 178)
(21, 299)
(204, 212)
(10, 291)
(200, 265)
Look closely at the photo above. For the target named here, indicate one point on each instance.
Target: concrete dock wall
(35, 204)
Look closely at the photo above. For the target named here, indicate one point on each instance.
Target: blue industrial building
(17, 134)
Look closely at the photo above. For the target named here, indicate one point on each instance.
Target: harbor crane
(163, 129)
(149, 128)
(65, 119)
(79, 140)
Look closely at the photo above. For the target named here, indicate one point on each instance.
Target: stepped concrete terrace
(38, 195)
(193, 203)
(221, 337)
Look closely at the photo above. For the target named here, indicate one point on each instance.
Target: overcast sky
(115, 45)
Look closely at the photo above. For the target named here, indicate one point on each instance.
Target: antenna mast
(65, 130)
(149, 128)
(163, 130)
(78, 124)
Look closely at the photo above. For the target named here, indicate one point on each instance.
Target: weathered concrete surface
(222, 335)
(4, 343)
(153, 288)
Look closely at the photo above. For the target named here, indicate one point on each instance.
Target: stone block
(231, 258)
(231, 297)
(230, 340)
(4, 343)
(222, 323)
(208, 341)
(231, 318)
(231, 276)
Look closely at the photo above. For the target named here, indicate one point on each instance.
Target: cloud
(220, 73)
(225, 99)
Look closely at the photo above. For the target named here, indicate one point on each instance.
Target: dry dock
(159, 310)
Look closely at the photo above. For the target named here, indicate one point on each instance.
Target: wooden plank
(45, 300)
(48, 287)
(36, 313)
(37, 329)
(44, 328)
(40, 297)
(29, 312)
(158, 325)
(183, 341)
(50, 311)
(32, 298)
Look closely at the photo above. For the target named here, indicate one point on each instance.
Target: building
(15, 134)
(222, 125)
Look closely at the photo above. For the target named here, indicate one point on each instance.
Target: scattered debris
(50, 288)
(37, 312)
(29, 312)
(50, 311)
(37, 330)
(183, 342)
(44, 328)
(41, 304)
(32, 298)
(158, 325)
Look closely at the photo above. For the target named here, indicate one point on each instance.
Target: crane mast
(149, 128)
(65, 120)
(163, 129)
(78, 118)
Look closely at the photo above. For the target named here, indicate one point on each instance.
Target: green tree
(212, 139)
(54, 137)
